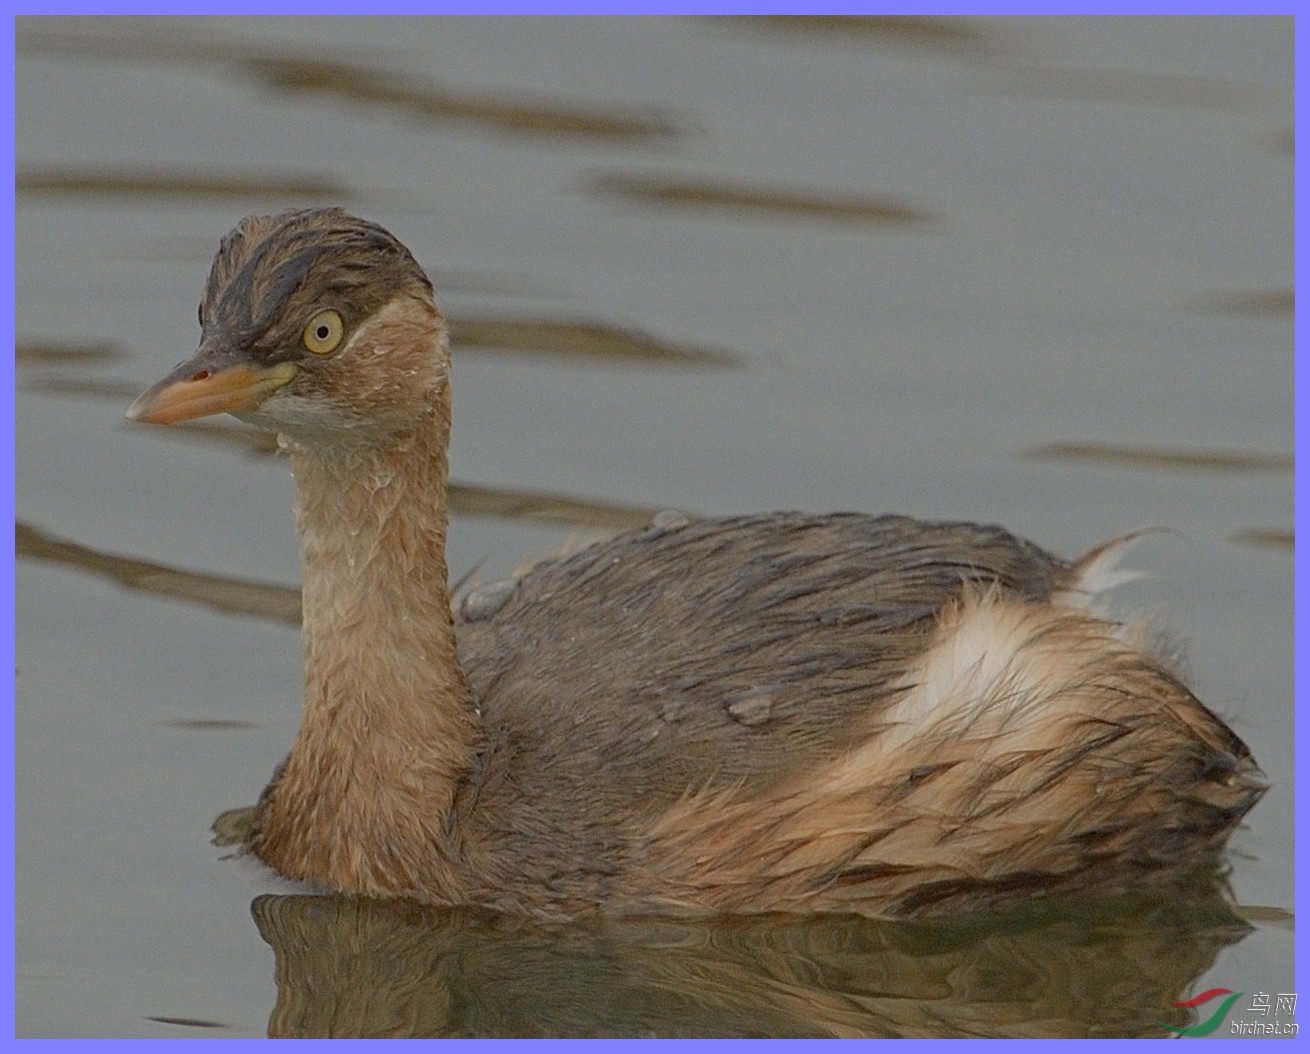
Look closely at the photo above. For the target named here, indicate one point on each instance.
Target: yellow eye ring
(323, 333)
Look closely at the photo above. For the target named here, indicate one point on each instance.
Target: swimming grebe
(782, 712)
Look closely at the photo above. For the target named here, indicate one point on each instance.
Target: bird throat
(389, 726)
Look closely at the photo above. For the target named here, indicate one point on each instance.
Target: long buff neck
(389, 725)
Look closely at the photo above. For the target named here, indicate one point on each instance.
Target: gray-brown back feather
(716, 653)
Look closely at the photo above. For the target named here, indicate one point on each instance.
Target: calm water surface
(1037, 273)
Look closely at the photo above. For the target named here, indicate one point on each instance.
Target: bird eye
(323, 333)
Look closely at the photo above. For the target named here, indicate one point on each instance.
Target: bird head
(314, 324)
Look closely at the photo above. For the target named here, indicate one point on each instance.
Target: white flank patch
(976, 666)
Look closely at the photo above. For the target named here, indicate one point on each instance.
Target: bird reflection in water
(1056, 968)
